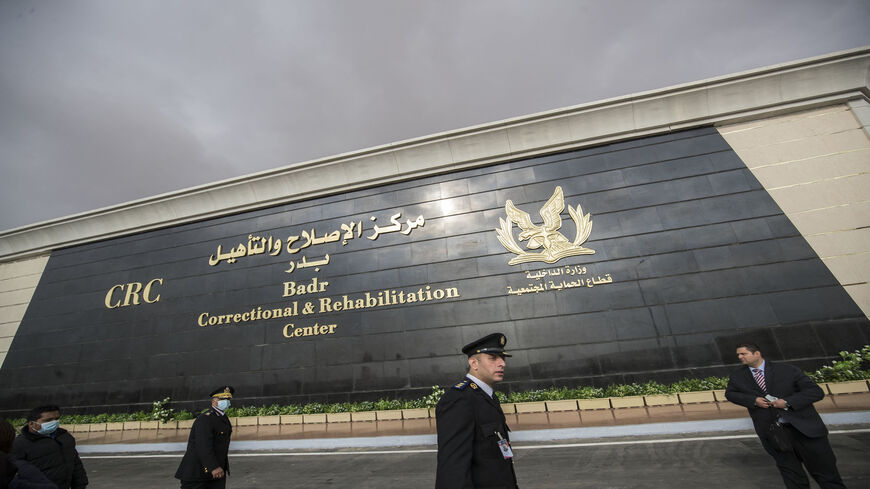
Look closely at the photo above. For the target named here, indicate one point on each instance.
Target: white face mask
(223, 404)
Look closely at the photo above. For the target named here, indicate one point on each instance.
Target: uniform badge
(505, 447)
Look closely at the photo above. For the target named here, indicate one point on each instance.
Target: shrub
(313, 408)
(183, 415)
(586, 392)
(17, 422)
(387, 404)
(339, 407)
(554, 394)
(140, 416)
(362, 406)
(623, 390)
(270, 410)
(290, 409)
(653, 388)
(109, 418)
(102, 418)
(706, 384)
(431, 400)
(242, 411)
(413, 404)
(160, 411)
(527, 396)
(71, 419)
(847, 368)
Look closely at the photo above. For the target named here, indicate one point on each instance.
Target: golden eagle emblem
(547, 236)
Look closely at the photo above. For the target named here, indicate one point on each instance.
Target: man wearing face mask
(50, 449)
(206, 463)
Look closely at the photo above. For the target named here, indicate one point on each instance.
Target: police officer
(473, 446)
(206, 463)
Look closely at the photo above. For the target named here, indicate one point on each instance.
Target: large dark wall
(699, 256)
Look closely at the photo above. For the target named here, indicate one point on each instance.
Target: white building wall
(816, 166)
(18, 280)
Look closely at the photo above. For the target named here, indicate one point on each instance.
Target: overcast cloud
(103, 102)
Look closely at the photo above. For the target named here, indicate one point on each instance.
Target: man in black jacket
(50, 449)
(206, 464)
(473, 446)
(780, 393)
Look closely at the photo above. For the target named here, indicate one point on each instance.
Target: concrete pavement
(710, 460)
(709, 445)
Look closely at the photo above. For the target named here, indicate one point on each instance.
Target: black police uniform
(208, 448)
(470, 425)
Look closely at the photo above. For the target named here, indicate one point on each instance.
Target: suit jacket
(469, 423)
(208, 447)
(785, 382)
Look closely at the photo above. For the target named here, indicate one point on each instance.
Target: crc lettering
(123, 295)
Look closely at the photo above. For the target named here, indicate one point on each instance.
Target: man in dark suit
(206, 464)
(780, 393)
(473, 446)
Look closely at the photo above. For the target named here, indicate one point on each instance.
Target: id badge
(505, 447)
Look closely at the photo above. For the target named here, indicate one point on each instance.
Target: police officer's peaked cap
(492, 344)
(223, 392)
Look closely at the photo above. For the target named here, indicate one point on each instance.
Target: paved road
(714, 461)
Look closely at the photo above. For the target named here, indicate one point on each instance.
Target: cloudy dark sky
(103, 102)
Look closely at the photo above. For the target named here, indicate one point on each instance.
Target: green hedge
(849, 367)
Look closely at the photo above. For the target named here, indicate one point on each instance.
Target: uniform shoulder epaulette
(465, 383)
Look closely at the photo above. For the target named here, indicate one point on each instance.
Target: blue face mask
(49, 427)
(223, 404)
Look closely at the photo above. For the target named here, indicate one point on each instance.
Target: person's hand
(217, 473)
(779, 403)
(762, 402)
